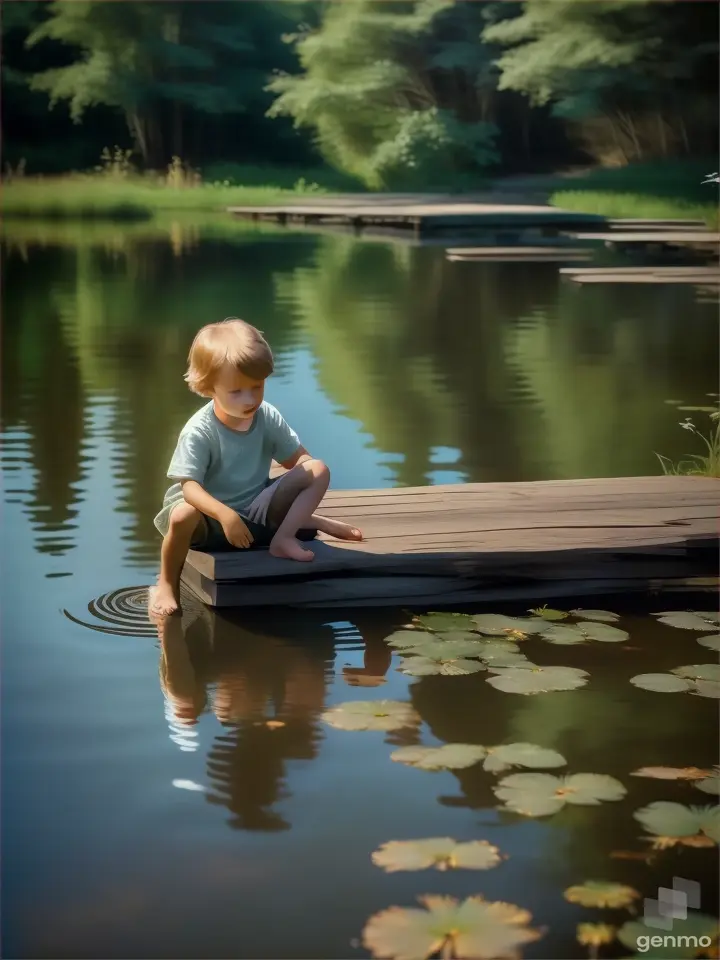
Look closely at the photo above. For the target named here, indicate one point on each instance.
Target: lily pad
(497, 625)
(509, 755)
(541, 794)
(690, 619)
(450, 756)
(408, 638)
(672, 773)
(600, 893)
(440, 622)
(537, 679)
(709, 784)
(437, 649)
(371, 715)
(660, 682)
(595, 934)
(674, 822)
(602, 632)
(707, 688)
(699, 671)
(422, 666)
(604, 616)
(443, 853)
(477, 928)
(548, 613)
(564, 634)
(712, 642)
(681, 946)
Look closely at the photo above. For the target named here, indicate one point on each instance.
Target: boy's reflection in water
(248, 677)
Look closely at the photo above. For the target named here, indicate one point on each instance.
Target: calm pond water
(148, 808)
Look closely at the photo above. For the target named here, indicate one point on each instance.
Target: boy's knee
(318, 470)
(184, 517)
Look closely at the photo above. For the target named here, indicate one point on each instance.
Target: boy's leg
(293, 508)
(182, 525)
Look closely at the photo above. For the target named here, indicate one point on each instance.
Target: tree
(394, 92)
(164, 65)
(621, 61)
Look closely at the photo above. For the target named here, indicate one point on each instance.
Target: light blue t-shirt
(233, 467)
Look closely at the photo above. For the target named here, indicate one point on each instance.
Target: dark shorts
(211, 536)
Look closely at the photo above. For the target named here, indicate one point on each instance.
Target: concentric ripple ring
(122, 612)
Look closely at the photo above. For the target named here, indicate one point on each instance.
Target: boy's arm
(235, 529)
(300, 456)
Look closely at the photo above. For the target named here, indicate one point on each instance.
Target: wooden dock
(705, 276)
(468, 543)
(444, 215)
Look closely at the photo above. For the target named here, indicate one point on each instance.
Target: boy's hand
(236, 531)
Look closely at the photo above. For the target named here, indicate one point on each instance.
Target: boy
(223, 495)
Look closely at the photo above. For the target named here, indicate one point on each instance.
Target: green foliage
(154, 60)
(394, 98)
(625, 61)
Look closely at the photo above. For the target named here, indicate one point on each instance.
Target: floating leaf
(451, 756)
(605, 616)
(437, 649)
(595, 934)
(564, 634)
(660, 682)
(712, 642)
(422, 666)
(493, 648)
(710, 784)
(509, 755)
(474, 927)
(371, 715)
(540, 794)
(681, 945)
(549, 614)
(599, 893)
(407, 638)
(699, 671)
(672, 773)
(443, 853)
(497, 625)
(674, 822)
(602, 632)
(440, 622)
(537, 679)
(689, 619)
(707, 688)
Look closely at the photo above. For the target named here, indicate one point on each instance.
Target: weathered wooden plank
(660, 270)
(610, 277)
(418, 551)
(432, 541)
(654, 236)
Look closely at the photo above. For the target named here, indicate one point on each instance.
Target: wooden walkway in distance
(424, 217)
(439, 545)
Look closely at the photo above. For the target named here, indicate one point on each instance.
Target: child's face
(237, 395)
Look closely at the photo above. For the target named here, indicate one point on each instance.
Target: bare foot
(163, 600)
(289, 549)
(338, 529)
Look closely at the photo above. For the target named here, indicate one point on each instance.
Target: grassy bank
(119, 194)
(666, 191)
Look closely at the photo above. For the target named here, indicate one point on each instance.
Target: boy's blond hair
(232, 341)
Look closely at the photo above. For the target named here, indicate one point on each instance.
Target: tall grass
(702, 465)
(632, 205)
(664, 190)
(115, 190)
